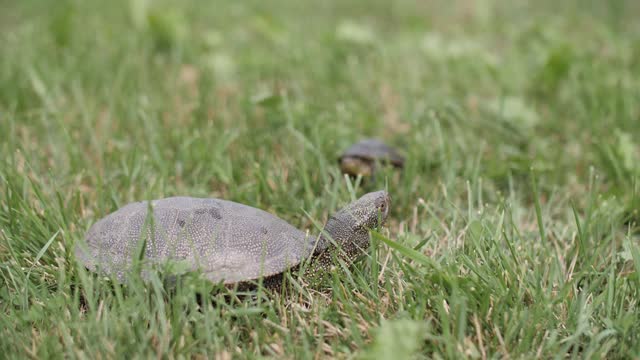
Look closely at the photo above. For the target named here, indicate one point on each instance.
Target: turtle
(230, 243)
(361, 157)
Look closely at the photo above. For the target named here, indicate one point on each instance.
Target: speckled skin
(229, 242)
(360, 158)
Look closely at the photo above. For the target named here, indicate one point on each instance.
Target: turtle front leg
(327, 262)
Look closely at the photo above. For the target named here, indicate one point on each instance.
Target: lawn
(513, 230)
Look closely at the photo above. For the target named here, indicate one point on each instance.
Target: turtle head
(355, 166)
(349, 227)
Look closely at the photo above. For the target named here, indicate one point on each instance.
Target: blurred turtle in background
(362, 158)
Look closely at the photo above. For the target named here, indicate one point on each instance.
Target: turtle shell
(229, 242)
(372, 150)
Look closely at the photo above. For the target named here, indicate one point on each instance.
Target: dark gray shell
(229, 242)
(372, 150)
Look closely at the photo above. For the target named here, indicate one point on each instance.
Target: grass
(513, 231)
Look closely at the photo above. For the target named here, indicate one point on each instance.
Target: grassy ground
(513, 231)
